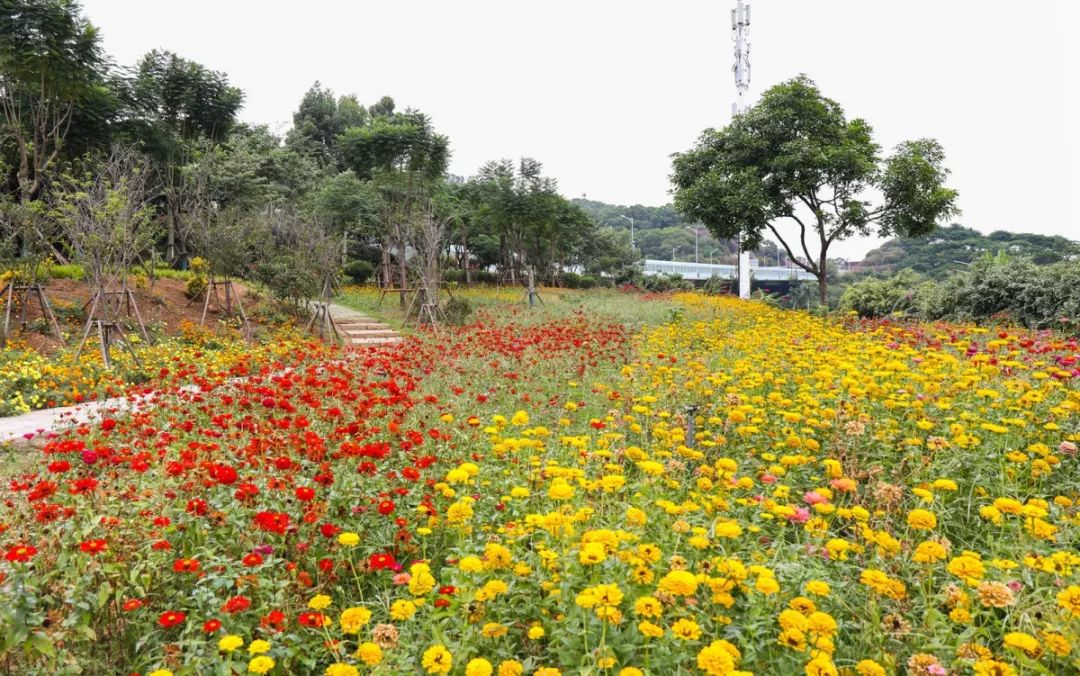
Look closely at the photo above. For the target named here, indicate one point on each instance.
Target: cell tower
(740, 34)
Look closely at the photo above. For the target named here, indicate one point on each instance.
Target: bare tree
(108, 217)
(427, 234)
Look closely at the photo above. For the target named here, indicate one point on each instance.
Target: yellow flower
(817, 588)
(536, 632)
(348, 539)
(650, 630)
(510, 668)
(437, 660)
(687, 630)
(319, 602)
(353, 619)
(921, 519)
(1026, 643)
(230, 643)
(369, 653)
(478, 667)
(967, 568)
(520, 419)
(679, 583)
(869, 668)
(647, 606)
(160, 672)
(929, 552)
(341, 669)
(1069, 599)
(402, 609)
(261, 664)
(715, 660)
(493, 630)
(258, 647)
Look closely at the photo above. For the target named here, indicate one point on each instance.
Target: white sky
(603, 91)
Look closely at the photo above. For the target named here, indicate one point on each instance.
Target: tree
(795, 157)
(175, 108)
(50, 58)
(404, 158)
(318, 122)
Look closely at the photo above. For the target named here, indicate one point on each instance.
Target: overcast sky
(602, 92)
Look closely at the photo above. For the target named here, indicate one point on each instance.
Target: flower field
(606, 485)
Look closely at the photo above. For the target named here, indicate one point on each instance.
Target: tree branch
(810, 267)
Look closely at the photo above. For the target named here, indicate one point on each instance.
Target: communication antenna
(740, 34)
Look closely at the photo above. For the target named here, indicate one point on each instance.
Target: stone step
(370, 326)
(369, 333)
(387, 340)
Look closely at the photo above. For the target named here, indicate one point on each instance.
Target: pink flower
(800, 516)
(768, 478)
(814, 498)
(402, 578)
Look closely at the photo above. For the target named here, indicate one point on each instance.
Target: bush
(457, 311)
(359, 271)
(572, 280)
(478, 276)
(873, 297)
(665, 282)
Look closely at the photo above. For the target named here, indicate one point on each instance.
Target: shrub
(457, 311)
(874, 297)
(359, 271)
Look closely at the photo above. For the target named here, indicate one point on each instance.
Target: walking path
(356, 328)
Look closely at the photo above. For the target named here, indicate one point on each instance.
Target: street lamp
(710, 256)
(631, 229)
(673, 250)
(695, 244)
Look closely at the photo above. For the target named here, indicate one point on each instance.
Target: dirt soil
(163, 304)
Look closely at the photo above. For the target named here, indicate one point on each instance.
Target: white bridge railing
(704, 271)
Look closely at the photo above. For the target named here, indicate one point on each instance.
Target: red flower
(315, 620)
(93, 547)
(20, 553)
(326, 565)
(132, 604)
(274, 522)
(275, 619)
(224, 474)
(210, 626)
(108, 424)
(386, 507)
(305, 494)
(171, 618)
(381, 561)
(185, 566)
(236, 604)
(329, 530)
(59, 466)
(253, 559)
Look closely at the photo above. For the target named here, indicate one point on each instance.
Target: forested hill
(948, 248)
(645, 218)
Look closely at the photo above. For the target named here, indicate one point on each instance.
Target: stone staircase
(357, 328)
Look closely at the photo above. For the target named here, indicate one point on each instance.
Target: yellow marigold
(160, 672)
(536, 632)
(822, 623)
(679, 583)
(402, 609)
(369, 653)
(471, 564)
(258, 647)
(1026, 643)
(967, 568)
(1069, 599)
(647, 606)
(493, 630)
(631, 671)
(510, 668)
(319, 602)
(767, 585)
(229, 643)
(687, 630)
(793, 638)
(353, 619)
(560, 489)
(478, 666)
(341, 669)
(817, 588)
(821, 666)
(650, 630)
(991, 667)
(437, 660)
(348, 539)
(261, 664)
(869, 668)
(715, 660)
(929, 552)
(520, 419)
(921, 519)
(547, 671)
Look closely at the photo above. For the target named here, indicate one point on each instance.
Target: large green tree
(50, 59)
(794, 157)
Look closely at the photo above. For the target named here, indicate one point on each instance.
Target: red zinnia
(93, 547)
(381, 561)
(210, 626)
(386, 507)
(185, 566)
(171, 618)
(253, 559)
(20, 553)
(236, 604)
(305, 494)
(132, 604)
(316, 620)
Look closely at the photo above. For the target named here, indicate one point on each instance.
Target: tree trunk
(465, 253)
(404, 270)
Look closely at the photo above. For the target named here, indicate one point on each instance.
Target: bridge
(700, 272)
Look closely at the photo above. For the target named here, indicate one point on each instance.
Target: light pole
(631, 229)
(710, 256)
(695, 230)
(673, 250)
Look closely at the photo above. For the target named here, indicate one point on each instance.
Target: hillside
(950, 248)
